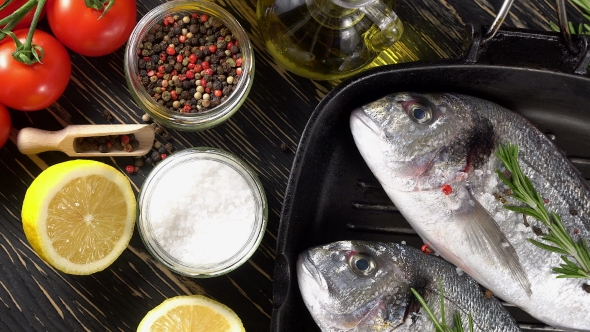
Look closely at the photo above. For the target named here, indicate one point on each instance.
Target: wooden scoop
(33, 141)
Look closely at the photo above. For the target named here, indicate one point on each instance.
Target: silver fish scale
(552, 174)
(459, 290)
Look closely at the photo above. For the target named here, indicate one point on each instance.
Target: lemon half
(79, 215)
(194, 313)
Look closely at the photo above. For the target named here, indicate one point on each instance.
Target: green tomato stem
(27, 53)
(18, 14)
(8, 27)
(29, 42)
(100, 5)
(12, 20)
(5, 4)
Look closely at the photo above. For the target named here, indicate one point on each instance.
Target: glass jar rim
(179, 120)
(190, 155)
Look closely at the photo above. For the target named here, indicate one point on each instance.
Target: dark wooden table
(36, 297)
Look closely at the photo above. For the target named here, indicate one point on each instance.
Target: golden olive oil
(315, 38)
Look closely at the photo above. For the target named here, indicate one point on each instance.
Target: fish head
(354, 286)
(423, 140)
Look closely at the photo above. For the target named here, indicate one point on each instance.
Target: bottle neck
(333, 16)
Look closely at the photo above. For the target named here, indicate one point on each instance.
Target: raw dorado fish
(365, 286)
(434, 155)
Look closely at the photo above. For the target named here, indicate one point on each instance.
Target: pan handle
(564, 29)
(493, 29)
(561, 18)
(555, 51)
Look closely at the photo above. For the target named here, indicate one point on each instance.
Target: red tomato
(34, 87)
(5, 125)
(26, 20)
(79, 28)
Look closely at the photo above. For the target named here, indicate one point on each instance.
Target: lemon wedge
(194, 313)
(79, 215)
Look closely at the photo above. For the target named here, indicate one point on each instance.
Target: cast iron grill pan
(332, 195)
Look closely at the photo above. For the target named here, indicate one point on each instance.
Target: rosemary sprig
(558, 239)
(441, 326)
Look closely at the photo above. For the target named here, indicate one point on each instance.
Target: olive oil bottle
(327, 39)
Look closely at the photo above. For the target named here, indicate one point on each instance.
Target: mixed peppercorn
(189, 63)
(106, 144)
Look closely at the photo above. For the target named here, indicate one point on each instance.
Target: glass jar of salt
(202, 212)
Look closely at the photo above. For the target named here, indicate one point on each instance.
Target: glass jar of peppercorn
(189, 64)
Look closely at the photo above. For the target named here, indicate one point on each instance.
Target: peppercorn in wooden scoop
(89, 140)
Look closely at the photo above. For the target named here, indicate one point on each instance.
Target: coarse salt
(202, 212)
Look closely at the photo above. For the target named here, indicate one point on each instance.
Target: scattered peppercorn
(447, 189)
(202, 52)
(574, 212)
(107, 114)
(586, 288)
(500, 198)
(166, 135)
(284, 147)
(537, 230)
(130, 169)
(169, 147)
(488, 294)
(155, 156)
(426, 249)
(525, 222)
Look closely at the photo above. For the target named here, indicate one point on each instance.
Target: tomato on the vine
(5, 125)
(34, 87)
(80, 29)
(25, 22)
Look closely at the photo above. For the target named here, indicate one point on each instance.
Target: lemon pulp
(190, 318)
(85, 219)
(193, 313)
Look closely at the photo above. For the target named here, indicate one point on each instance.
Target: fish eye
(420, 113)
(362, 264)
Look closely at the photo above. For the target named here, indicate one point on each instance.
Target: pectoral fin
(486, 237)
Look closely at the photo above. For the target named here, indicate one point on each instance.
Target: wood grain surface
(36, 297)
